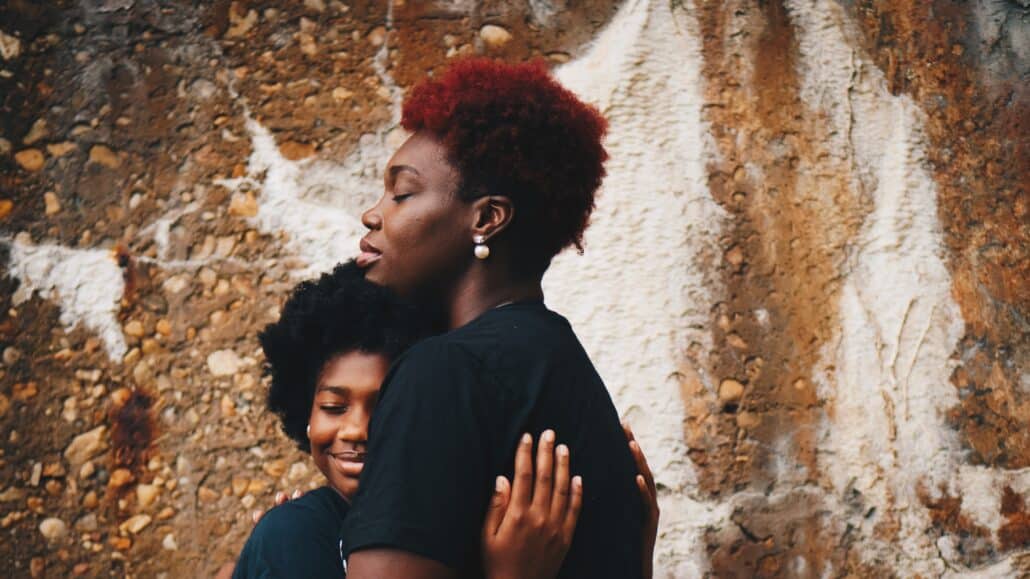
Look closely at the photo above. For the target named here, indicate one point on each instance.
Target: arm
(649, 494)
(528, 527)
(530, 524)
(379, 563)
(373, 562)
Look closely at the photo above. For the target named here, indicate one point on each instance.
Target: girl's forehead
(355, 371)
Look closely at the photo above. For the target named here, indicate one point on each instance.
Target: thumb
(498, 507)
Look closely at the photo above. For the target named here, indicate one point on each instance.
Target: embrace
(461, 427)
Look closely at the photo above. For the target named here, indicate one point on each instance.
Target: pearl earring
(308, 431)
(481, 250)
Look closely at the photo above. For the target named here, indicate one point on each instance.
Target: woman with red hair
(497, 177)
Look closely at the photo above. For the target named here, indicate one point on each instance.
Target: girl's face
(419, 230)
(345, 396)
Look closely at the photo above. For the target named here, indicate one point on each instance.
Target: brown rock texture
(812, 244)
(960, 62)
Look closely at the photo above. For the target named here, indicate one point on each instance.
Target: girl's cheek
(318, 432)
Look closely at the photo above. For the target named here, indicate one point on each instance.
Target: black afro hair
(337, 313)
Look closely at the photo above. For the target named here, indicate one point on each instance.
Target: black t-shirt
(299, 538)
(450, 415)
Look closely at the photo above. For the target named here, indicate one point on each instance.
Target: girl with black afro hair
(327, 356)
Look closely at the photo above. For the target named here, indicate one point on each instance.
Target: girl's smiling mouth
(348, 462)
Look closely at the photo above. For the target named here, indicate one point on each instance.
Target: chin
(381, 277)
(373, 274)
(347, 489)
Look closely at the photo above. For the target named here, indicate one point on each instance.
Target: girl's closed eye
(401, 197)
(334, 408)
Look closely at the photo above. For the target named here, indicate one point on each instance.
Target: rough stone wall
(805, 282)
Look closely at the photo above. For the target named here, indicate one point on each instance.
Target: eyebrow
(340, 390)
(394, 169)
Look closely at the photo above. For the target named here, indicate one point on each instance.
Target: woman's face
(419, 230)
(345, 396)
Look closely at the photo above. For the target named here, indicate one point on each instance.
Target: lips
(369, 254)
(350, 455)
(348, 462)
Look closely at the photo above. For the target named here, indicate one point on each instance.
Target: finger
(634, 447)
(522, 485)
(498, 507)
(280, 498)
(544, 479)
(638, 456)
(650, 498)
(572, 513)
(629, 431)
(225, 571)
(256, 515)
(560, 497)
(645, 491)
(650, 501)
(642, 467)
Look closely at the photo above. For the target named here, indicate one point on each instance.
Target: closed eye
(402, 197)
(334, 408)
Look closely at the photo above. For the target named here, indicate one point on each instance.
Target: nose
(372, 218)
(354, 428)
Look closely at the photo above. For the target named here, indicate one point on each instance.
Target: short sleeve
(291, 541)
(428, 476)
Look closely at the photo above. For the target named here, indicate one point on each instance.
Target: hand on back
(530, 522)
(529, 526)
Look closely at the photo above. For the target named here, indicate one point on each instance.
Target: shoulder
(514, 328)
(440, 372)
(447, 353)
(313, 516)
(496, 329)
(498, 344)
(301, 534)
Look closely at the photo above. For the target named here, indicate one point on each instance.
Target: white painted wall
(640, 294)
(87, 284)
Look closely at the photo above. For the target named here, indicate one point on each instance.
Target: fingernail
(296, 494)
(562, 450)
(279, 496)
(499, 484)
(527, 439)
(548, 436)
(577, 481)
(255, 516)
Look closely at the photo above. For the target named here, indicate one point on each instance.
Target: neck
(481, 289)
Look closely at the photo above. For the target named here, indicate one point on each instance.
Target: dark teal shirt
(299, 538)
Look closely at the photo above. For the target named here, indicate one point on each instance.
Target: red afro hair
(512, 130)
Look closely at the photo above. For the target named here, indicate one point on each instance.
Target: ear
(492, 214)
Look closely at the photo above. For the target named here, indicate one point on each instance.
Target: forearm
(394, 563)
